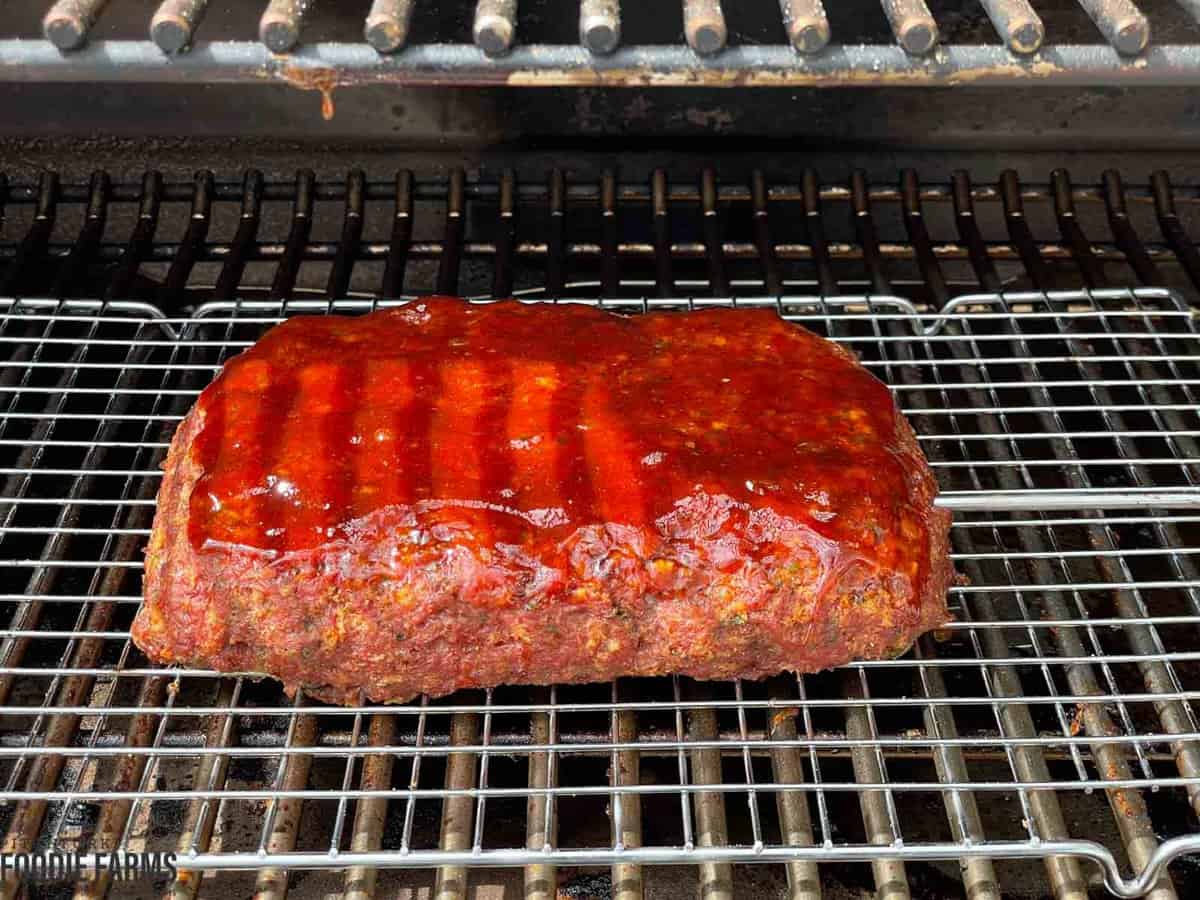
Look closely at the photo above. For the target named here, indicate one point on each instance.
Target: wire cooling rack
(1050, 724)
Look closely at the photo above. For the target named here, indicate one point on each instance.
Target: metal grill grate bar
(1042, 813)
(530, 247)
(1130, 811)
(315, 47)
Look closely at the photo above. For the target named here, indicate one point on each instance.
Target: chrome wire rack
(1050, 726)
(604, 42)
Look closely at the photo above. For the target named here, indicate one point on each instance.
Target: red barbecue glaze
(524, 424)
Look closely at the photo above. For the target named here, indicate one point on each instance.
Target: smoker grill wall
(1026, 115)
(629, 120)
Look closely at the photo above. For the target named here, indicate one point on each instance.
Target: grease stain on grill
(325, 81)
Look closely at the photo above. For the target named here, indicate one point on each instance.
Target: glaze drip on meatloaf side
(446, 495)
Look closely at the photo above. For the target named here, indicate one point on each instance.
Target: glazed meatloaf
(446, 495)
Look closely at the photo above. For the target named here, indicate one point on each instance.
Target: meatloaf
(447, 495)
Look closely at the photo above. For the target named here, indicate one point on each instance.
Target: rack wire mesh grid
(1050, 724)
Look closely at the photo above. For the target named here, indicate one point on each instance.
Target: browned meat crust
(789, 528)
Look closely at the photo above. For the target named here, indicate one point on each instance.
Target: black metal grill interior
(176, 244)
(124, 297)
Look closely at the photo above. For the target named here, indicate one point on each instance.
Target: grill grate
(1052, 723)
(178, 244)
(790, 42)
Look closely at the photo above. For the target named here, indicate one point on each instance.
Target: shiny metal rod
(804, 878)
(912, 24)
(627, 879)
(600, 25)
(1097, 498)
(279, 27)
(806, 24)
(495, 26)
(175, 22)
(854, 65)
(878, 809)
(1017, 24)
(1121, 23)
(458, 811)
(712, 830)
(68, 22)
(540, 880)
(386, 27)
(370, 815)
(704, 25)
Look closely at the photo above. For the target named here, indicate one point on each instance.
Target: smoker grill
(602, 42)
(1040, 338)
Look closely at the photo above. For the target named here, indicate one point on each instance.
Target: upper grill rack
(492, 41)
(180, 244)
